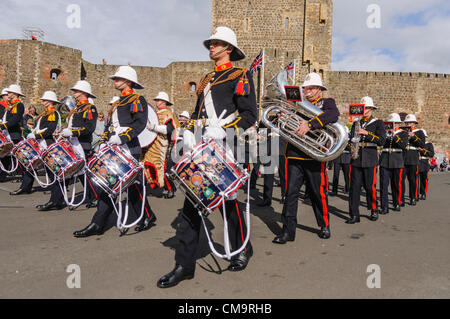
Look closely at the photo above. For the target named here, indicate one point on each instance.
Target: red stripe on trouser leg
(167, 183)
(322, 194)
(400, 187)
(417, 180)
(240, 222)
(426, 185)
(326, 176)
(92, 187)
(349, 176)
(374, 188)
(140, 195)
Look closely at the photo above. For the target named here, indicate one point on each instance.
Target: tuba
(323, 144)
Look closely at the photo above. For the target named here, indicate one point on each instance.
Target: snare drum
(113, 169)
(62, 160)
(6, 145)
(28, 153)
(207, 174)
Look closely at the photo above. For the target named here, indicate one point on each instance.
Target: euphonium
(323, 144)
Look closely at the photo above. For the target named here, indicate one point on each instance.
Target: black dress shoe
(352, 220)
(397, 208)
(20, 191)
(170, 194)
(240, 261)
(384, 211)
(333, 193)
(50, 206)
(412, 202)
(178, 274)
(325, 233)
(91, 229)
(373, 215)
(265, 203)
(92, 204)
(148, 223)
(282, 239)
(423, 197)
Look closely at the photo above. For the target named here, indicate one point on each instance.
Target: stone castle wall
(288, 30)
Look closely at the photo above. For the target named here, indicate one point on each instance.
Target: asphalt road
(409, 250)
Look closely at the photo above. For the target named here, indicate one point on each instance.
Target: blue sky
(412, 37)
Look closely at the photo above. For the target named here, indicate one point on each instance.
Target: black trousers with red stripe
(282, 172)
(314, 174)
(190, 225)
(362, 177)
(105, 206)
(423, 177)
(393, 177)
(410, 172)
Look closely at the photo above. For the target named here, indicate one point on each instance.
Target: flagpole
(293, 78)
(261, 84)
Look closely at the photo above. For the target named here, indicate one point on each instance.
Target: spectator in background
(433, 164)
(99, 129)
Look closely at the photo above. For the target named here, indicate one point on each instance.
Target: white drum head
(147, 137)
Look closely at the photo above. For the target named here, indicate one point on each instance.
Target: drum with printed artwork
(28, 153)
(62, 160)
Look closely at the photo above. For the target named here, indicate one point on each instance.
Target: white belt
(364, 144)
(346, 152)
(411, 148)
(390, 150)
(423, 158)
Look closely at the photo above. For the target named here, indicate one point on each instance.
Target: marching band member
(126, 120)
(301, 167)
(425, 154)
(343, 161)
(364, 167)
(391, 164)
(183, 117)
(81, 125)
(3, 108)
(411, 159)
(45, 125)
(156, 157)
(12, 121)
(220, 94)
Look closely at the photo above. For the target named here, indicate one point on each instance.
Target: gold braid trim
(129, 99)
(76, 110)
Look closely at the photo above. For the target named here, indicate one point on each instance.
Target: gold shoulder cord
(230, 77)
(117, 104)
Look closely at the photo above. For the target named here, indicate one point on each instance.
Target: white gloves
(66, 132)
(31, 135)
(188, 140)
(151, 126)
(115, 139)
(214, 130)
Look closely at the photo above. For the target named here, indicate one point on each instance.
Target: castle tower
(286, 29)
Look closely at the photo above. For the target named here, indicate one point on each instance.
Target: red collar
(223, 67)
(14, 101)
(316, 100)
(50, 108)
(83, 102)
(125, 93)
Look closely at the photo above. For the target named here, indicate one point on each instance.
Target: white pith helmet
(410, 118)
(14, 88)
(394, 117)
(227, 35)
(49, 96)
(4, 92)
(313, 79)
(114, 99)
(91, 100)
(128, 73)
(425, 133)
(368, 102)
(184, 114)
(164, 97)
(83, 86)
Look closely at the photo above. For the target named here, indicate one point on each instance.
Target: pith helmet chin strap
(220, 52)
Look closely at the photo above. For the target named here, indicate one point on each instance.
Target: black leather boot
(50, 206)
(91, 229)
(352, 220)
(412, 202)
(147, 224)
(178, 274)
(282, 239)
(92, 204)
(397, 208)
(240, 261)
(325, 233)
(20, 191)
(373, 215)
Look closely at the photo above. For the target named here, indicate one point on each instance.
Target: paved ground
(410, 247)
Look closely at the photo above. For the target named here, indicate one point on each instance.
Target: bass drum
(147, 137)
